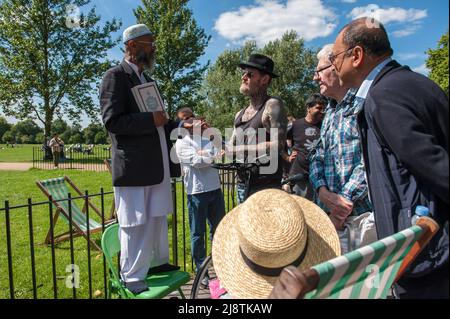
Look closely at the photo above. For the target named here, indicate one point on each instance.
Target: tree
(70, 131)
(4, 126)
(76, 138)
(91, 131)
(51, 58)
(294, 63)
(180, 44)
(437, 62)
(25, 131)
(59, 126)
(8, 137)
(40, 138)
(100, 137)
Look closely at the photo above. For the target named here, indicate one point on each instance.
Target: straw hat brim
(240, 281)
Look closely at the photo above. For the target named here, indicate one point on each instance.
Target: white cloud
(410, 19)
(405, 32)
(411, 56)
(349, 1)
(422, 69)
(269, 19)
(388, 15)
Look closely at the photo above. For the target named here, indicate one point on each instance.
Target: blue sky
(414, 26)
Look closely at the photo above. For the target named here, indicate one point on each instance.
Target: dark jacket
(405, 130)
(136, 150)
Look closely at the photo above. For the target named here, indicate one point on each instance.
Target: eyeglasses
(332, 57)
(153, 44)
(248, 74)
(317, 72)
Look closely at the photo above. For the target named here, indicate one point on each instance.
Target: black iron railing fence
(30, 269)
(84, 157)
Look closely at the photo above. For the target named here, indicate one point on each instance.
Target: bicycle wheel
(198, 290)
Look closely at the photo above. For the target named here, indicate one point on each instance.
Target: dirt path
(15, 166)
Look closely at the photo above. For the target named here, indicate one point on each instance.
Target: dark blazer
(136, 149)
(405, 132)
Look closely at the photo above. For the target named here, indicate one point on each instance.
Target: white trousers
(359, 231)
(142, 247)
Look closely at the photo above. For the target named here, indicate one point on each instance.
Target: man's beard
(244, 90)
(148, 61)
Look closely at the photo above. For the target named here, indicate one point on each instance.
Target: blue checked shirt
(337, 161)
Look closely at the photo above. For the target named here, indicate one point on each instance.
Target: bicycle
(292, 180)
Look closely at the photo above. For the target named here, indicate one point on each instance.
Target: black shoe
(162, 268)
(137, 287)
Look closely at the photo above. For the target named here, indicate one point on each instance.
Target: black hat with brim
(261, 63)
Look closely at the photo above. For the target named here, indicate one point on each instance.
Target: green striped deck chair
(58, 190)
(370, 271)
(161, 284)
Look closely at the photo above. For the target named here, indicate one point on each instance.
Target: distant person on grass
(56, 144)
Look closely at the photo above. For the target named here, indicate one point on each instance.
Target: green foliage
(27, 127)
(437, 62)
(75, 139)
(100, 138)
(180, 43)
(90, 132)
(294, 63)
(22, 132)
(59, 126)
(8, 137)
(50, 61)
(4, 126)
(40, 138)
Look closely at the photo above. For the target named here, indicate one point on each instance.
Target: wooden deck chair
(370, 271)
(161, 284)
(58, 189)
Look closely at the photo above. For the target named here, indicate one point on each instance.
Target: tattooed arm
(274, 116)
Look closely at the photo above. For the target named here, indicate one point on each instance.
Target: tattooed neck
(258, 99)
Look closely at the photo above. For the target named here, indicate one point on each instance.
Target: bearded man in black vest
(259, 129)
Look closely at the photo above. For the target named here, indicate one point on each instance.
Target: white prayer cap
(135, 31)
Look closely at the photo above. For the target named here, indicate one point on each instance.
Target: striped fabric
(366, 273)
(57, 188)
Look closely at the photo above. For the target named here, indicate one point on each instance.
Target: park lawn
(24, 153)
(16, 188)
(19, 154)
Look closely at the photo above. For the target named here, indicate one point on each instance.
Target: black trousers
(432, 286)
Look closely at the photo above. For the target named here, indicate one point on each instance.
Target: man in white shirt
(202, 183)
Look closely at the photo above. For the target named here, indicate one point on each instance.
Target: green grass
(17, 187)
(22, 153)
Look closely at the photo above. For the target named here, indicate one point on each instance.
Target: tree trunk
(48, 124)
(46, 95)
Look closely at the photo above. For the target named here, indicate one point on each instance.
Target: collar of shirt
(365, 86)
(136, 70)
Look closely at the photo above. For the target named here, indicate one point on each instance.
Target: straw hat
(268, 232)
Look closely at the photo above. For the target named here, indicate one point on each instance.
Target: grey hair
(326, 51)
